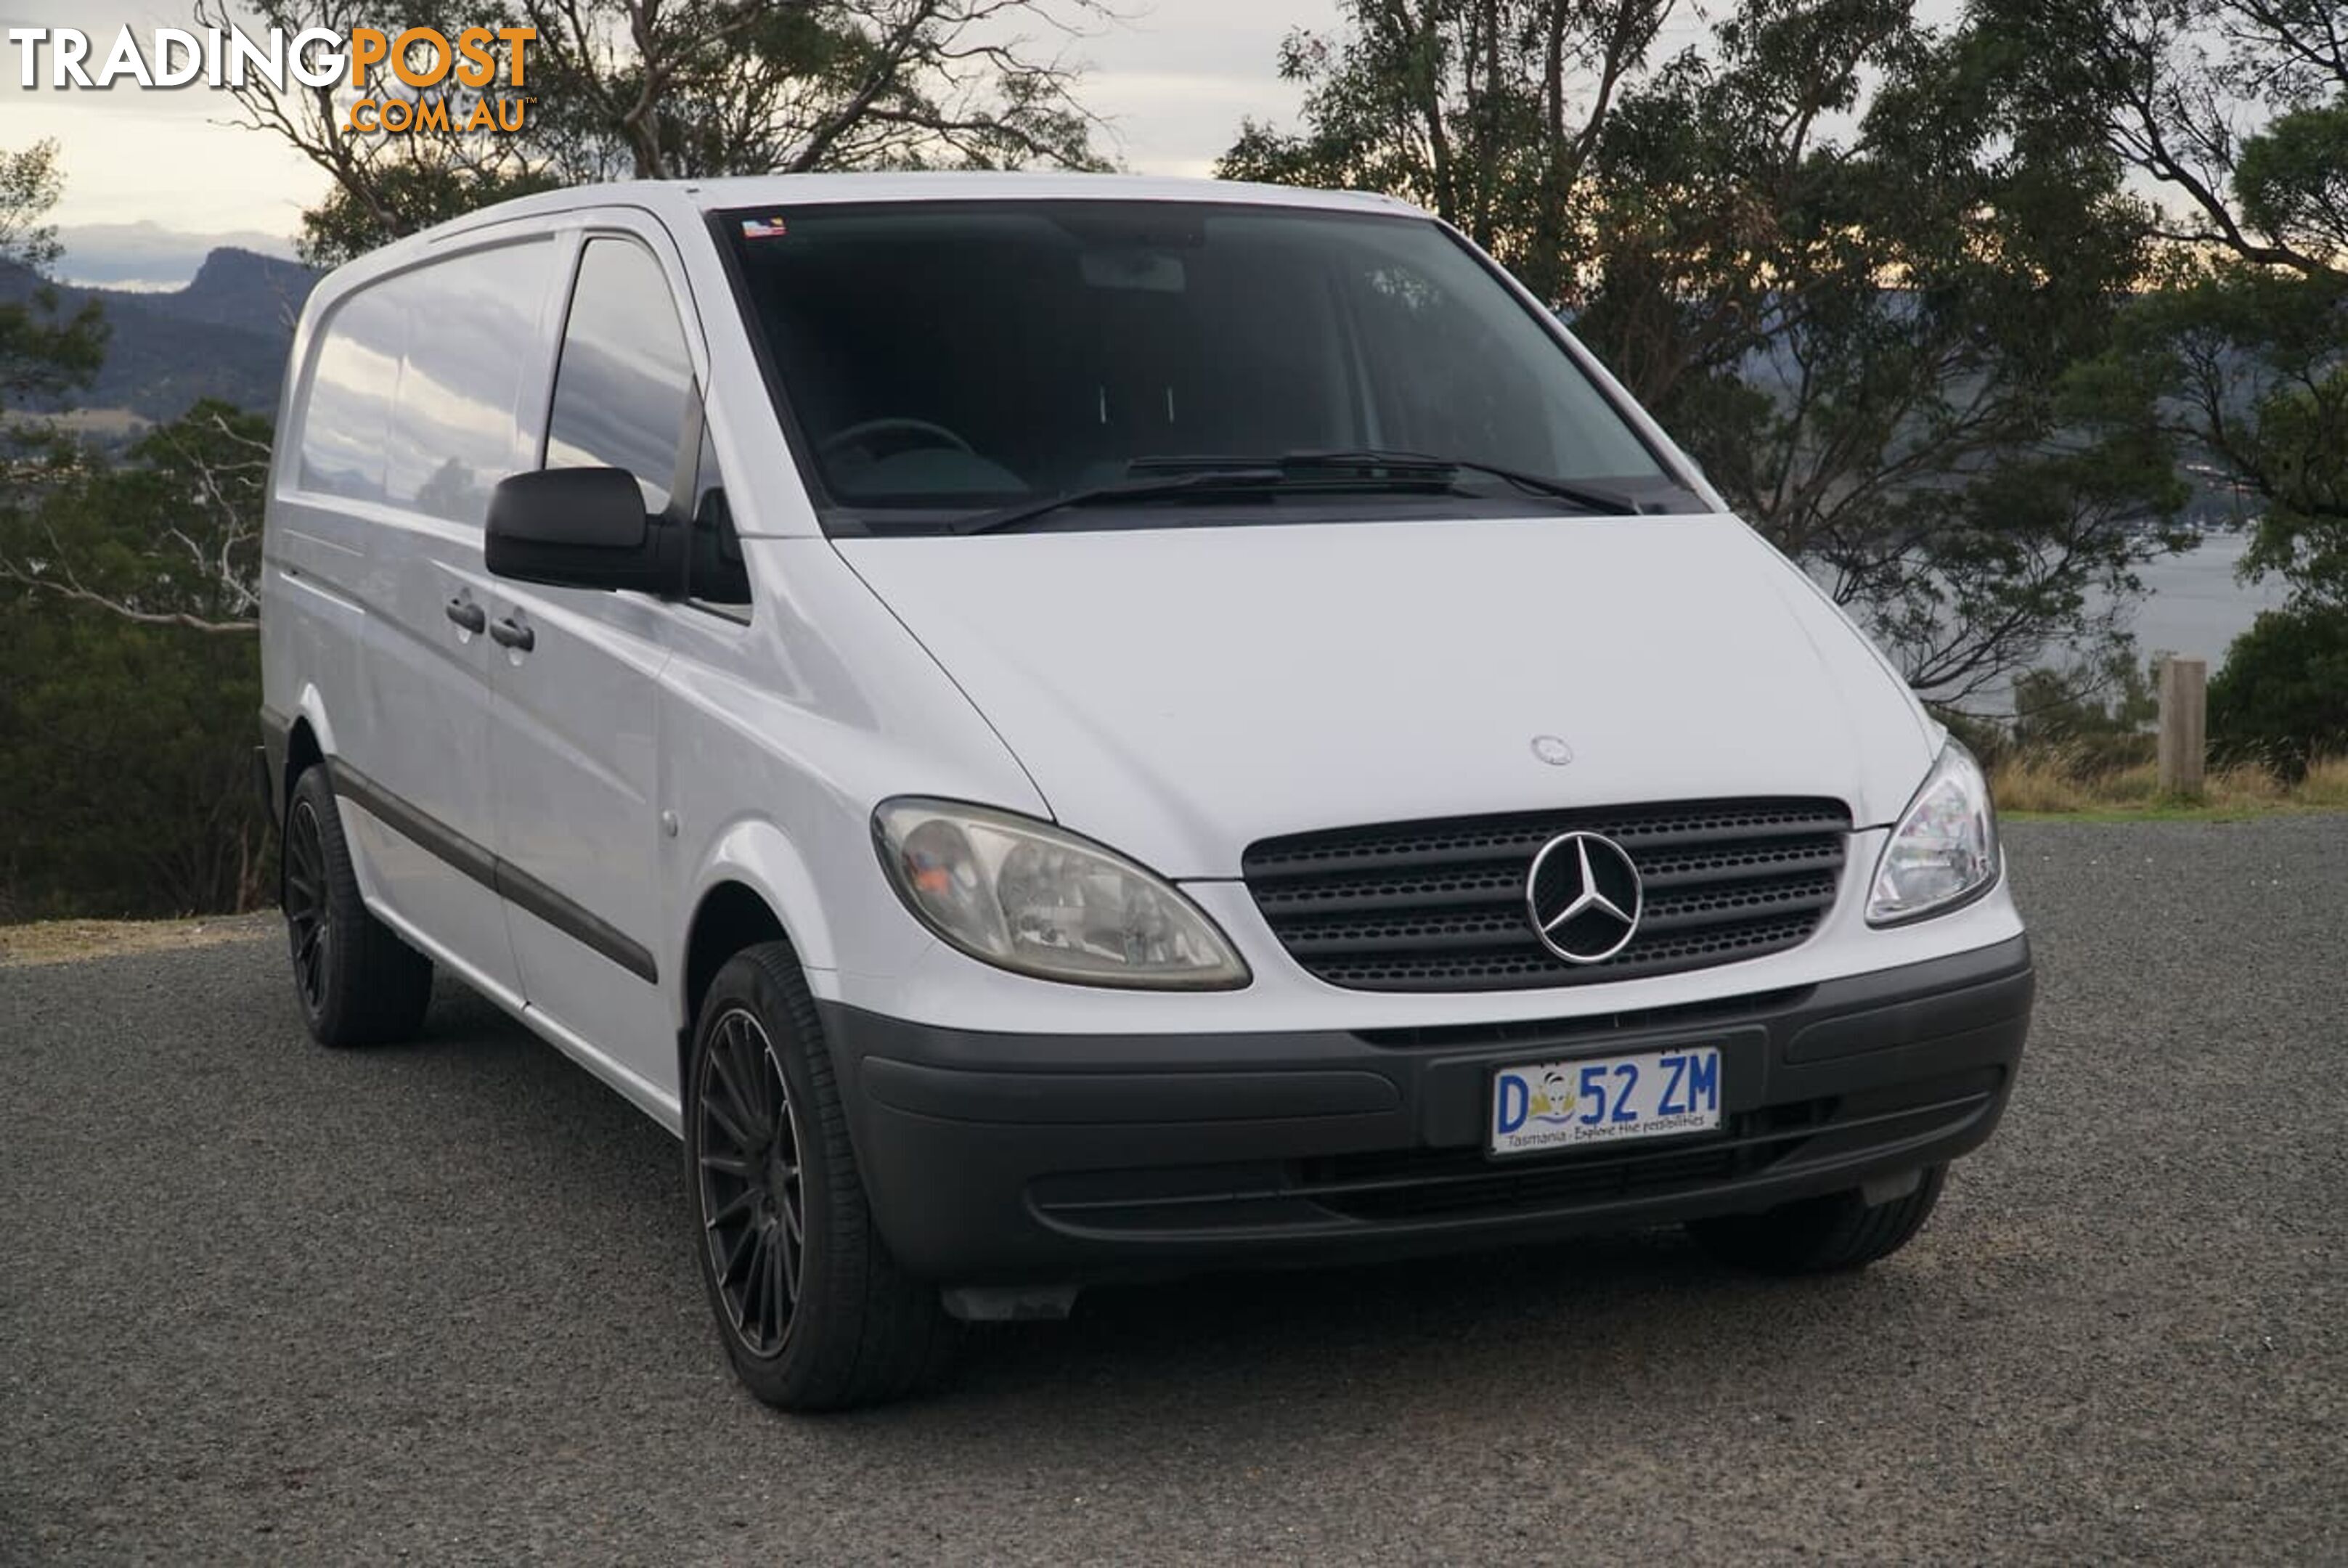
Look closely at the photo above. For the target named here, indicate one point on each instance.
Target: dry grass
(2037, 783)
(2057, 783)
(2325, 786)
(70, 941)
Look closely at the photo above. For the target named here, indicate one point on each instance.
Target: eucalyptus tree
(1862, 280)
(682, 88)
(2235, 112)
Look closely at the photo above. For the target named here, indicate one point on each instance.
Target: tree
(132, 740)
(136, 736)
(43, 353)
(1862, 281)
(685, 89)
(174, 538)
(1487, 112)
(2237, 112)
(2108, 728)
(126, 752)
(2249, 364)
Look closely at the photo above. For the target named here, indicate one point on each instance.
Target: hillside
(225, 336)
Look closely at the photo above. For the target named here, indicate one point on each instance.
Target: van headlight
(1944, 850)
(1027, 897)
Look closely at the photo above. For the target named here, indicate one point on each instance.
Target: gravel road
(261, 1301)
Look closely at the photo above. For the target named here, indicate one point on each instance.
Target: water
(2194, 606)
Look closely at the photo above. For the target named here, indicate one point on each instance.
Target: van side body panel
(781, 736)
(373, 542)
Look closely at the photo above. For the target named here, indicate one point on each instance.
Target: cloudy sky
(1174, 80)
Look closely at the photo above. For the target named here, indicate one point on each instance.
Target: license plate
(1604, 1100)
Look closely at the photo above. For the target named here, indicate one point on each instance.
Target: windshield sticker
(764, 229)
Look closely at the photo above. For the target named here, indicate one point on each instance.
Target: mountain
(225, 336)
(238, 288)
(145, 255)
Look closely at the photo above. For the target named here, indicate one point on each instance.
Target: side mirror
(580, 528)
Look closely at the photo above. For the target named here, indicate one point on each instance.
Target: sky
(150, 176)
(1174, 80)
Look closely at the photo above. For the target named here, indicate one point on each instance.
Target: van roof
(682, 197)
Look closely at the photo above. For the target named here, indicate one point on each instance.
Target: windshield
(942, 360)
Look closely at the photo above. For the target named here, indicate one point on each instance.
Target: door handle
(511, 633)
(467, 614)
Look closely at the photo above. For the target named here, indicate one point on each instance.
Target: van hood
(1179, 693)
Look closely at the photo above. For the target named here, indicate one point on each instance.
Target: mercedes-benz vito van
(1066, 728)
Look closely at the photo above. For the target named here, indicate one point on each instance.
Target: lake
(2192, 607)
(2195, 607)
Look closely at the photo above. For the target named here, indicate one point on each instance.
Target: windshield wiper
(1184, 475)
(1190, 479)
(1421, 466)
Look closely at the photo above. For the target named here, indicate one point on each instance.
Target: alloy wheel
(309, 916)
(753, 1194)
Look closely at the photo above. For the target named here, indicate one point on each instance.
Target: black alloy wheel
(357, 981)
(309, 914)
(812, 1307)
(753, 1191)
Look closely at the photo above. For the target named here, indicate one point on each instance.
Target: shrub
(2096, 714)
(2282, 698)
(125, 756)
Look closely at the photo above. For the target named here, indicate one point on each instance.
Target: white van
(1066, 728)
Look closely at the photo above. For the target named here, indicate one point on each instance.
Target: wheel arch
(731, 916)
(307, 744)
(309, 740)
(302, 752)
(754, 888)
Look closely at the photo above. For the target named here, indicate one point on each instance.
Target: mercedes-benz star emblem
(1584, 896)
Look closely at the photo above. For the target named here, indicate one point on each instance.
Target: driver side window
(624, 380)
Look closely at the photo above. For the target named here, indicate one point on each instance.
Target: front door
(574, 750)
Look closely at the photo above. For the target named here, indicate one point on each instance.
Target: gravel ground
(261, 1301)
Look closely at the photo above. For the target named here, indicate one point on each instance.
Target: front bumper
(1000, 1159)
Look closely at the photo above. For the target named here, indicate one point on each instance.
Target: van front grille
(1439, 905)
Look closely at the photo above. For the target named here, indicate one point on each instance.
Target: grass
(2326, 784)
(2059, 785)
(70, 941)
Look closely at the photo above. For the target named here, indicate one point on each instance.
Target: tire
(1821, 1235)
(358, 984)
(814, 1312)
